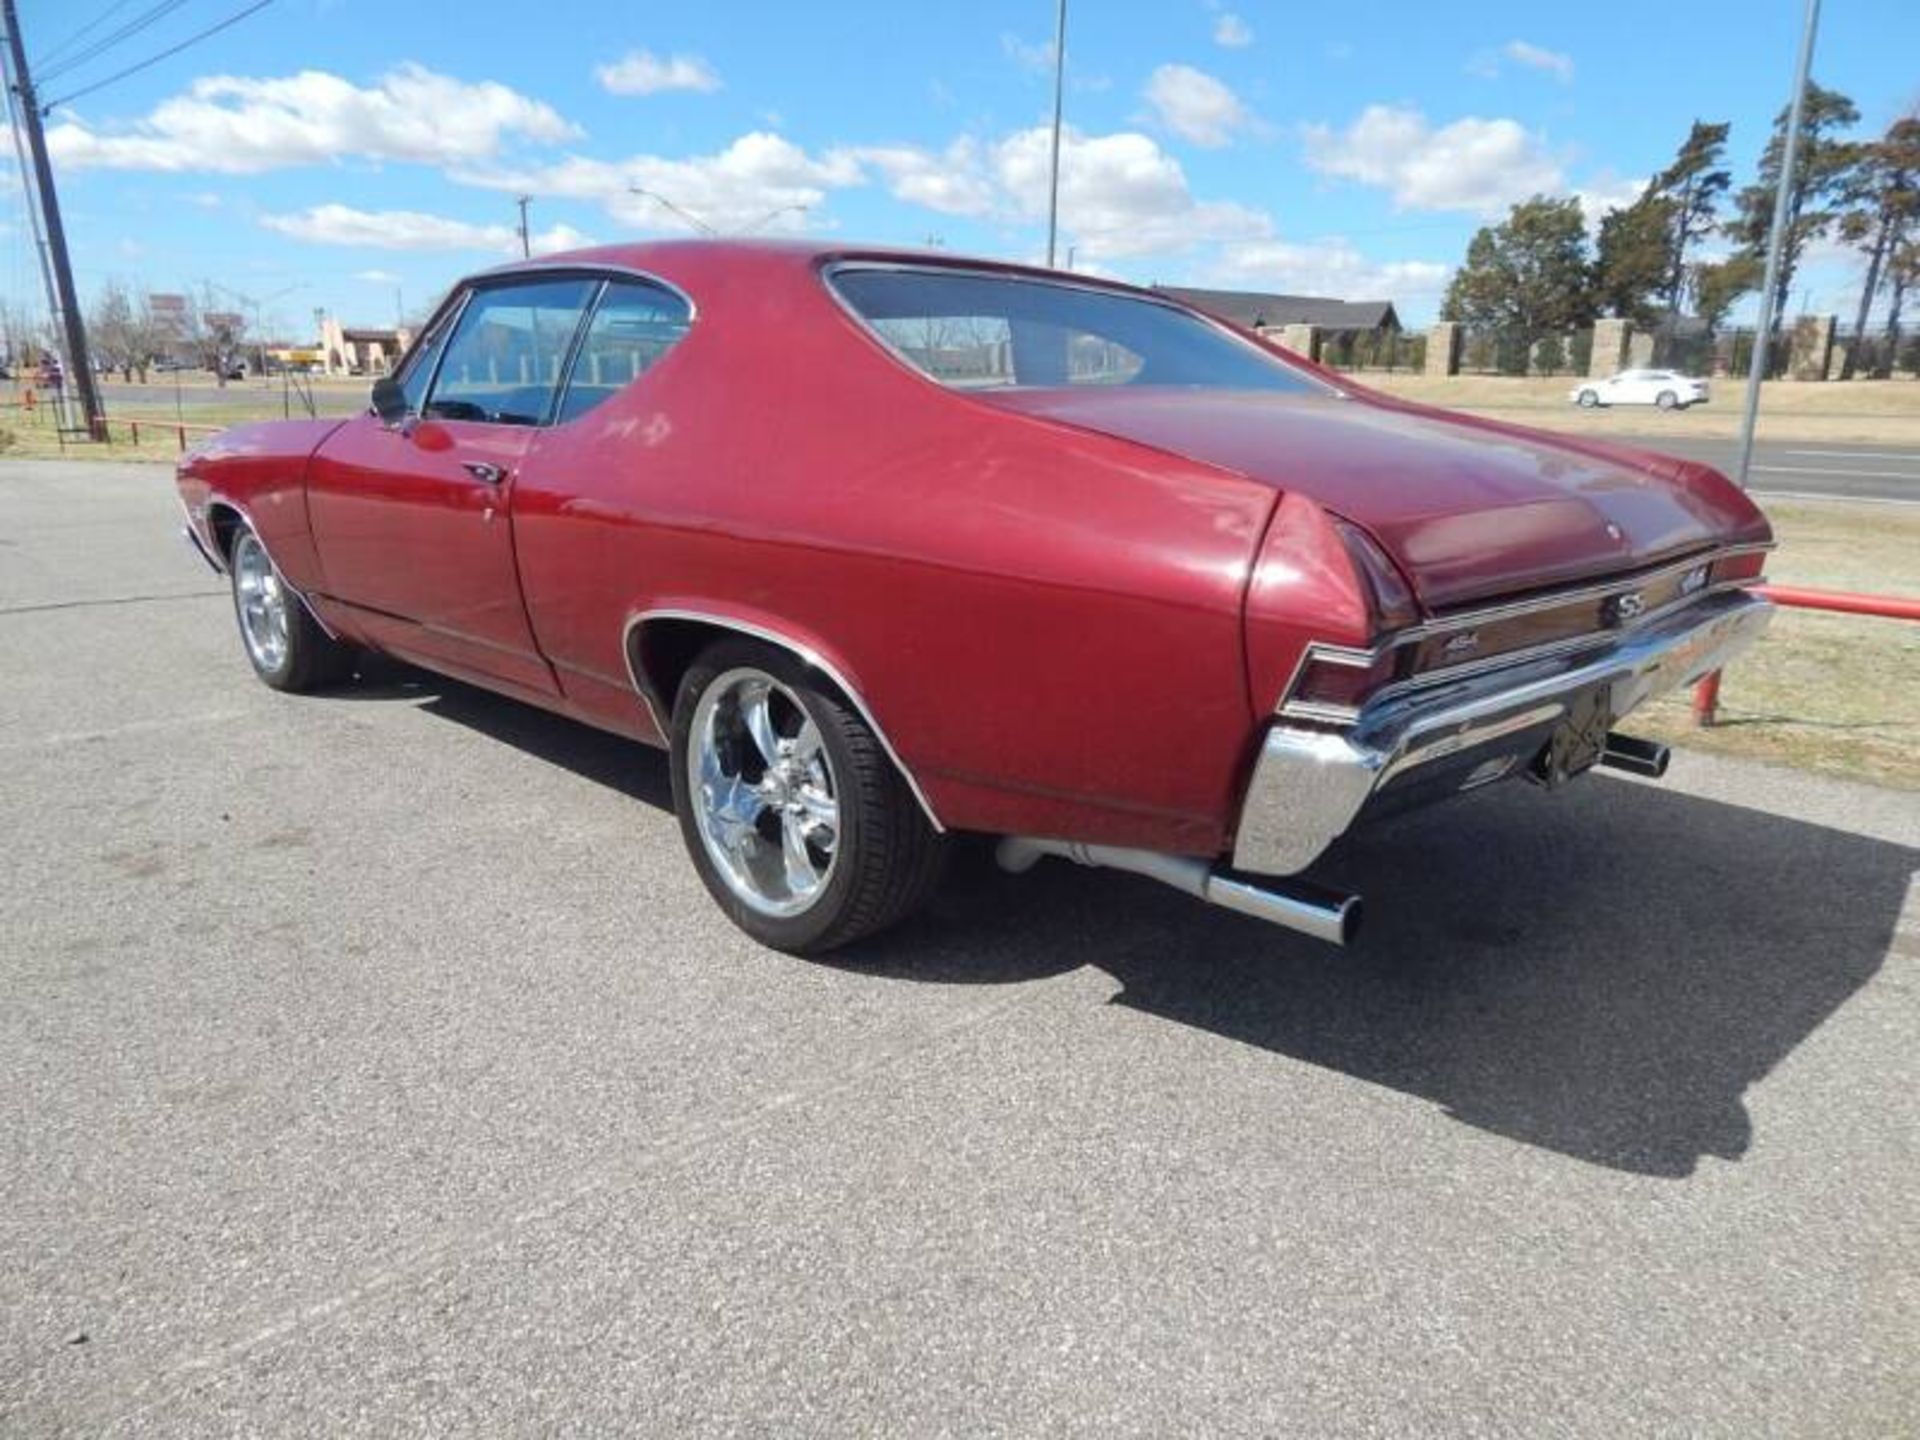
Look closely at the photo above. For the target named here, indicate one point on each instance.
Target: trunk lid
(1469, 509)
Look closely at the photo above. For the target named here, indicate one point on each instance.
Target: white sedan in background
(1668, 389)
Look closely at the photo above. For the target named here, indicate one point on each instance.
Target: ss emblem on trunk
(1622, 608)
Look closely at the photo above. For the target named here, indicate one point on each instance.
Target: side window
(413, 384)
(504, 361)
(633, 326)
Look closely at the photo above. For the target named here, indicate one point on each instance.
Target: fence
(1387, 351)
(1706, 694)
(1809, 347)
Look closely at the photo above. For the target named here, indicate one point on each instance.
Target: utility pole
(79, 363)
(526, 242)
(1059, 91)
(1776, 236)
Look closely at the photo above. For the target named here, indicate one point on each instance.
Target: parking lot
(374, 1062)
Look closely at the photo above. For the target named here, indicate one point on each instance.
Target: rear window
(979, 331)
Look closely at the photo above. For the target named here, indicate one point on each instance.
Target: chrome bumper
(1310, 786)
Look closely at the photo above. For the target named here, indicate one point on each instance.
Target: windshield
(980, 331)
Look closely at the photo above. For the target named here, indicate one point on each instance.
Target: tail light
(1389, 597)
(1324, 602)
(1334, 681)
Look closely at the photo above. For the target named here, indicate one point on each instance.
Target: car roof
(681, 261)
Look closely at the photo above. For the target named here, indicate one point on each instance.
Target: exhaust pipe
(1635, 756)
(1329, 915)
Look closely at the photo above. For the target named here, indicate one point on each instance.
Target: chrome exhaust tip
(1635, 756)
(1329, 915)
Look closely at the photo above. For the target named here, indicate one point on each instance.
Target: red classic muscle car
(884, 545)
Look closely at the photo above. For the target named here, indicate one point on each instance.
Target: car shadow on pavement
(1602, 972)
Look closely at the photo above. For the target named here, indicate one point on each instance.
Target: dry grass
(1884, 412)
(1839, 694)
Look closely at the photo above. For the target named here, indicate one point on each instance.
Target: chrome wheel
(264, 603)
(762, 792)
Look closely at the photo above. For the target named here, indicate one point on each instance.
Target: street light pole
(1776, 241)
(687, 215)
(1059, 91)
(526, 243)
(79, 363)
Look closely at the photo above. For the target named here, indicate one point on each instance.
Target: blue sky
(354, 150)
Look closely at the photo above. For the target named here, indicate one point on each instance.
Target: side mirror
(389, 400)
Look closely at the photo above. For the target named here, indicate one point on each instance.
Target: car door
(413, 520)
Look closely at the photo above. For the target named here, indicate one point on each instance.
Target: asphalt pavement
(374, 1063)
(1801, 468)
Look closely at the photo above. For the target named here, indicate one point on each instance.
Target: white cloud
(1120, 195)
(334, 224)
(1231, 31)
(1195, 105)
(1330, 267)
(644, 73)
(1473, 164)
(1606, 192)
(235, 125)
(1487, 64)
(377, 277)
(736, 188)
(1535, 57)
(1034, 57)
(951, 182)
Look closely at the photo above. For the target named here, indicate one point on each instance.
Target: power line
(171, 50)
(108, 41)
(85, 30)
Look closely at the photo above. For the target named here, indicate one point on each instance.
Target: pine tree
(1821, 171)
(1695, 182)
(1883, 199)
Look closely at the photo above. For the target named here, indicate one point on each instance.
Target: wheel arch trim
(215, 551)
(661, 707)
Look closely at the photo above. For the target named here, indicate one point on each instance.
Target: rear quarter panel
(1047, 623)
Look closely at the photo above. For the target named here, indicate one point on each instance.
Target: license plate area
(1577, 741)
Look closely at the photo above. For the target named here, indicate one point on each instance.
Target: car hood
(1470, 509)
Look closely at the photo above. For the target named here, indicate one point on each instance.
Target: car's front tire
(1667, 400)
(1588, 399)
(796, 818)
(283, 642)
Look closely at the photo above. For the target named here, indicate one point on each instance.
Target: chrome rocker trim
(1309, 786)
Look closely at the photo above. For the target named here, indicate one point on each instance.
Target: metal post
(1776, 239)
(1059, 91)
(526, 244)
(79, 363)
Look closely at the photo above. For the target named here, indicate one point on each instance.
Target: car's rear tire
(1588, 399)
(1667, 400)
(800, 825)
(283, 642)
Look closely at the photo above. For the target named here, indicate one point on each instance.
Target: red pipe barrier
(1706, 694)
(1891, 607)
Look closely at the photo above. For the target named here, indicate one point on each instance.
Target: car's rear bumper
(1310, 786)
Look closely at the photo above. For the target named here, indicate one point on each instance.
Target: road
(374, 1063)
(1826, 469)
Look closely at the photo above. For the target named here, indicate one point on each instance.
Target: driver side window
(505, 358)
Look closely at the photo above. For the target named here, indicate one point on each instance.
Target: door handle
(483, 472)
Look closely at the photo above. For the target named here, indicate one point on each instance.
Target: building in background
(1256, 310)
(348, 350)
